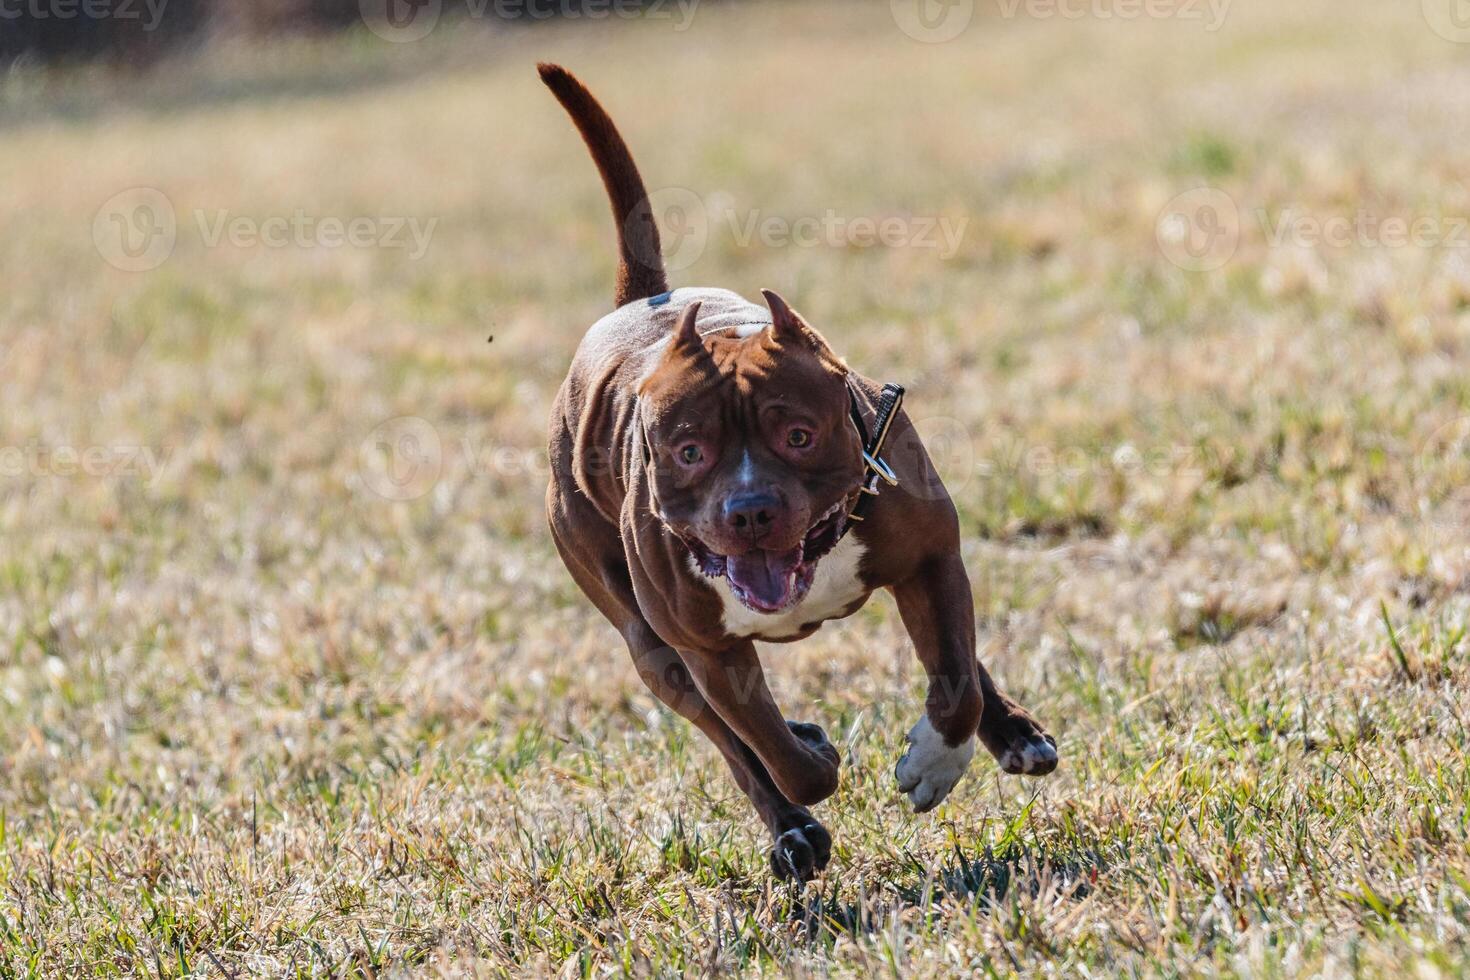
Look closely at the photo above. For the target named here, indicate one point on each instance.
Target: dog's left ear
(787, 327)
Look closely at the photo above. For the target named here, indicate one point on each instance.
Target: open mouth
(766, 580)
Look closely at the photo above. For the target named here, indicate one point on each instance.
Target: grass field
(293, 683)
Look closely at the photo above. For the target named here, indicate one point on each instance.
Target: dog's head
(752, 452)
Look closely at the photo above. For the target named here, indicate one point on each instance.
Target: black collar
(874, 467)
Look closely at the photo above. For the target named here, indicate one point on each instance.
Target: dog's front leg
(935, 604)
(801, 761)
(800, 845)
(936, 611)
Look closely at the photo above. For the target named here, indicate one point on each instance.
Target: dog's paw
(801, 852)
(1017, 740)
(815, 738)
(1036, 755)
(929, 769)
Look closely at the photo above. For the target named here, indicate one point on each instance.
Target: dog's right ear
(788, 327)
(686, 340)
(686, 351)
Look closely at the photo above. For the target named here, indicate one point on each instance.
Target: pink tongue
(764, 575)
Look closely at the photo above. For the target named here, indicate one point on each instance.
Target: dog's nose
(751, 513)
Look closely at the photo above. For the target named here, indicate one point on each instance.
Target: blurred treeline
(139, 32)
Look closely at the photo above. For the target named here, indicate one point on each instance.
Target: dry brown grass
(259, 719)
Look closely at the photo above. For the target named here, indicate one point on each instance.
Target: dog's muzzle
(766, 580)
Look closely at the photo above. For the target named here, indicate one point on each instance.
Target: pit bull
(713, 473)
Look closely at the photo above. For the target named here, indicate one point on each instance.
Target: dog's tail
(640, 263)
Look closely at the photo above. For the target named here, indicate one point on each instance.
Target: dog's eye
(690, 454)
(799, 439)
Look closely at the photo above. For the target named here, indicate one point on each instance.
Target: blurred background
(292, 680)
(134, 34)
(138, 34)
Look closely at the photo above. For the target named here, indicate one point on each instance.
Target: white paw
(1036, 757)
(929, 769)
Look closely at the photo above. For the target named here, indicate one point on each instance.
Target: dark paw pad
(801, 852)
(814, 737)
(1035, 755)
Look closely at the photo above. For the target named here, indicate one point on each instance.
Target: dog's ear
(686, 340)
(787, 327)
(786, 323)
(686, 348)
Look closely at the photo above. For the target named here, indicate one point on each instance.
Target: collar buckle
(875, 468)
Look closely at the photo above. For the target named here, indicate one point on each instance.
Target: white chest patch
(835, 587)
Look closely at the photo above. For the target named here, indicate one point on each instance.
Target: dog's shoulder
(637, 332)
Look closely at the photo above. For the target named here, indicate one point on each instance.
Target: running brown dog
(707, 461)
